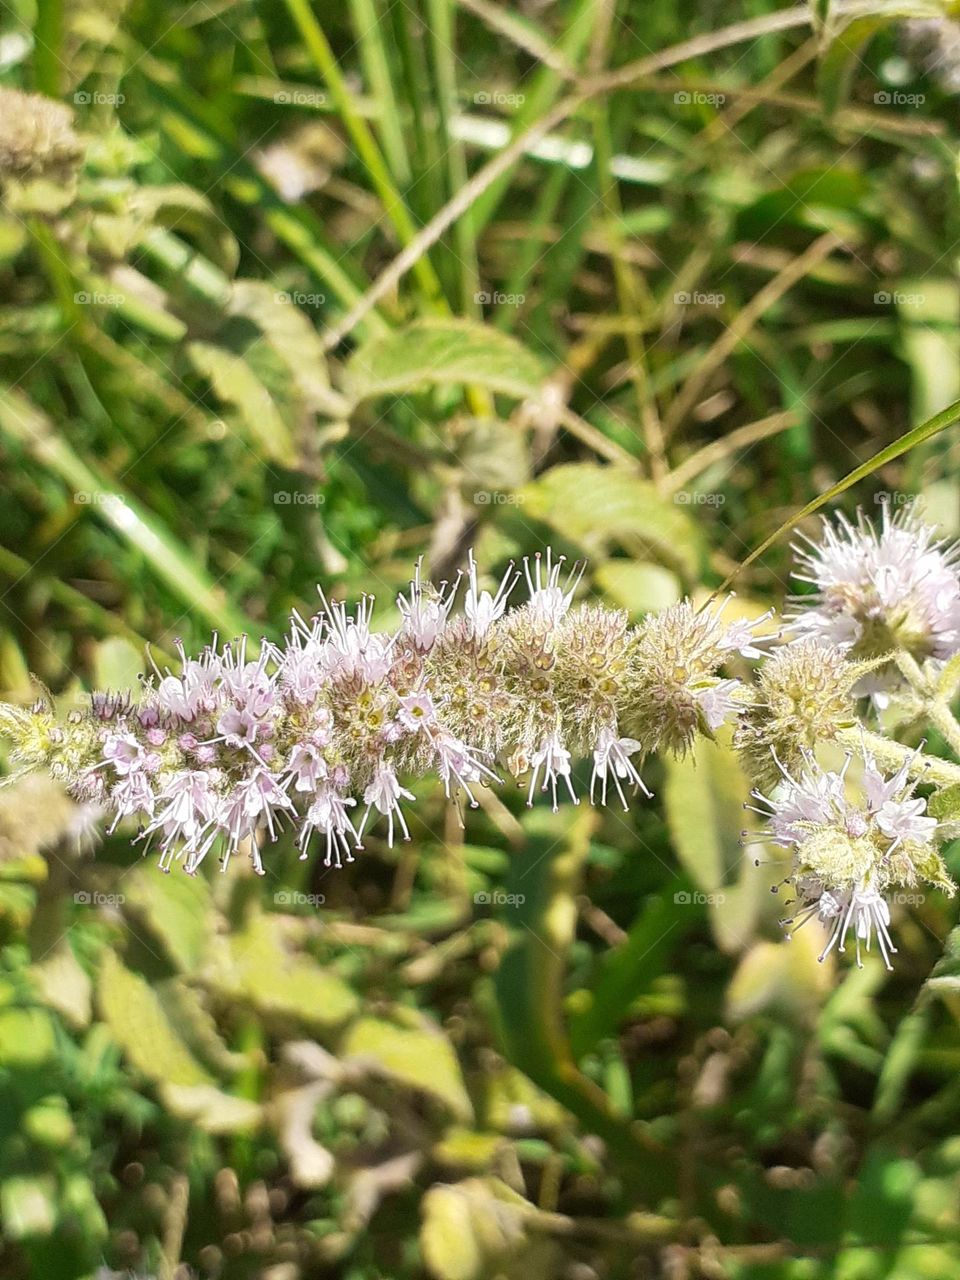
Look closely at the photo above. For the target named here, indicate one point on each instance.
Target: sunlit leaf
(599, 507)
(136, 1019)
(480, 1228)
(443, 353)
(418, 1056)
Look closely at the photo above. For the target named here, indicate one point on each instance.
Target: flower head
(848, 852)
(36, 137)
(878, 590)
(803, 696)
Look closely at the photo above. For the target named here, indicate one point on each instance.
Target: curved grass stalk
(926, 431)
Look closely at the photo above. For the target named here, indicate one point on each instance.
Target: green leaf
(638, 588)
(26, 1037)
(254, 966)
(117, 665)
(177, 910)
(64, 985)
(137, 1021)
(480, 1228)
(627, 972)
(945, 978)
(291, 337)
(879, 1210)
(28, 1206)
(949, 678)
(900, 1060)
(176, 205)
(211, 1109)
(418, 1056)
(531, 979)
(704, 797)
(443, 353)
(601, 506)
(944, 805)
(235, 383)
(493, 457)
(780, 977)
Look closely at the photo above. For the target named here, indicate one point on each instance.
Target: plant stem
(943, 720)
(893, 755)
(935, 708)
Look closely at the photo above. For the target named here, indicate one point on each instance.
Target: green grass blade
(367, 149)
(24, 423)
(932, 427)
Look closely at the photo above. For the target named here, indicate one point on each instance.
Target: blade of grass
(296, 227)
(523, 34)
(628, 298)
(442, 36)
(48, 66)
(717, 450)
(368, 27)
(94, 615)
(917, 435)
(438, 224)
(26, 424)
(496, 169)
(538, 102)
(367, 149)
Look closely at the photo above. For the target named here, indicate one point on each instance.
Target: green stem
(942, 719)
(892, 755)
(911, 671)
(530, 989)
(935, 707)
(48, 41)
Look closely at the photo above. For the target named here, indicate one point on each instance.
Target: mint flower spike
(851, 852)
(896, 587)
(325, 733)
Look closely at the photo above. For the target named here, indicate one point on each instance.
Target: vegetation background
(337, 286)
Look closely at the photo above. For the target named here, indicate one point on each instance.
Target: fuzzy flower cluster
(325, 732)
(849, 853)
(36, 137)
(877, 590)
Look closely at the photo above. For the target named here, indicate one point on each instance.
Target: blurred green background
(295, 294)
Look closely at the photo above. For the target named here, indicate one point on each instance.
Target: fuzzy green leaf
(443, 353)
